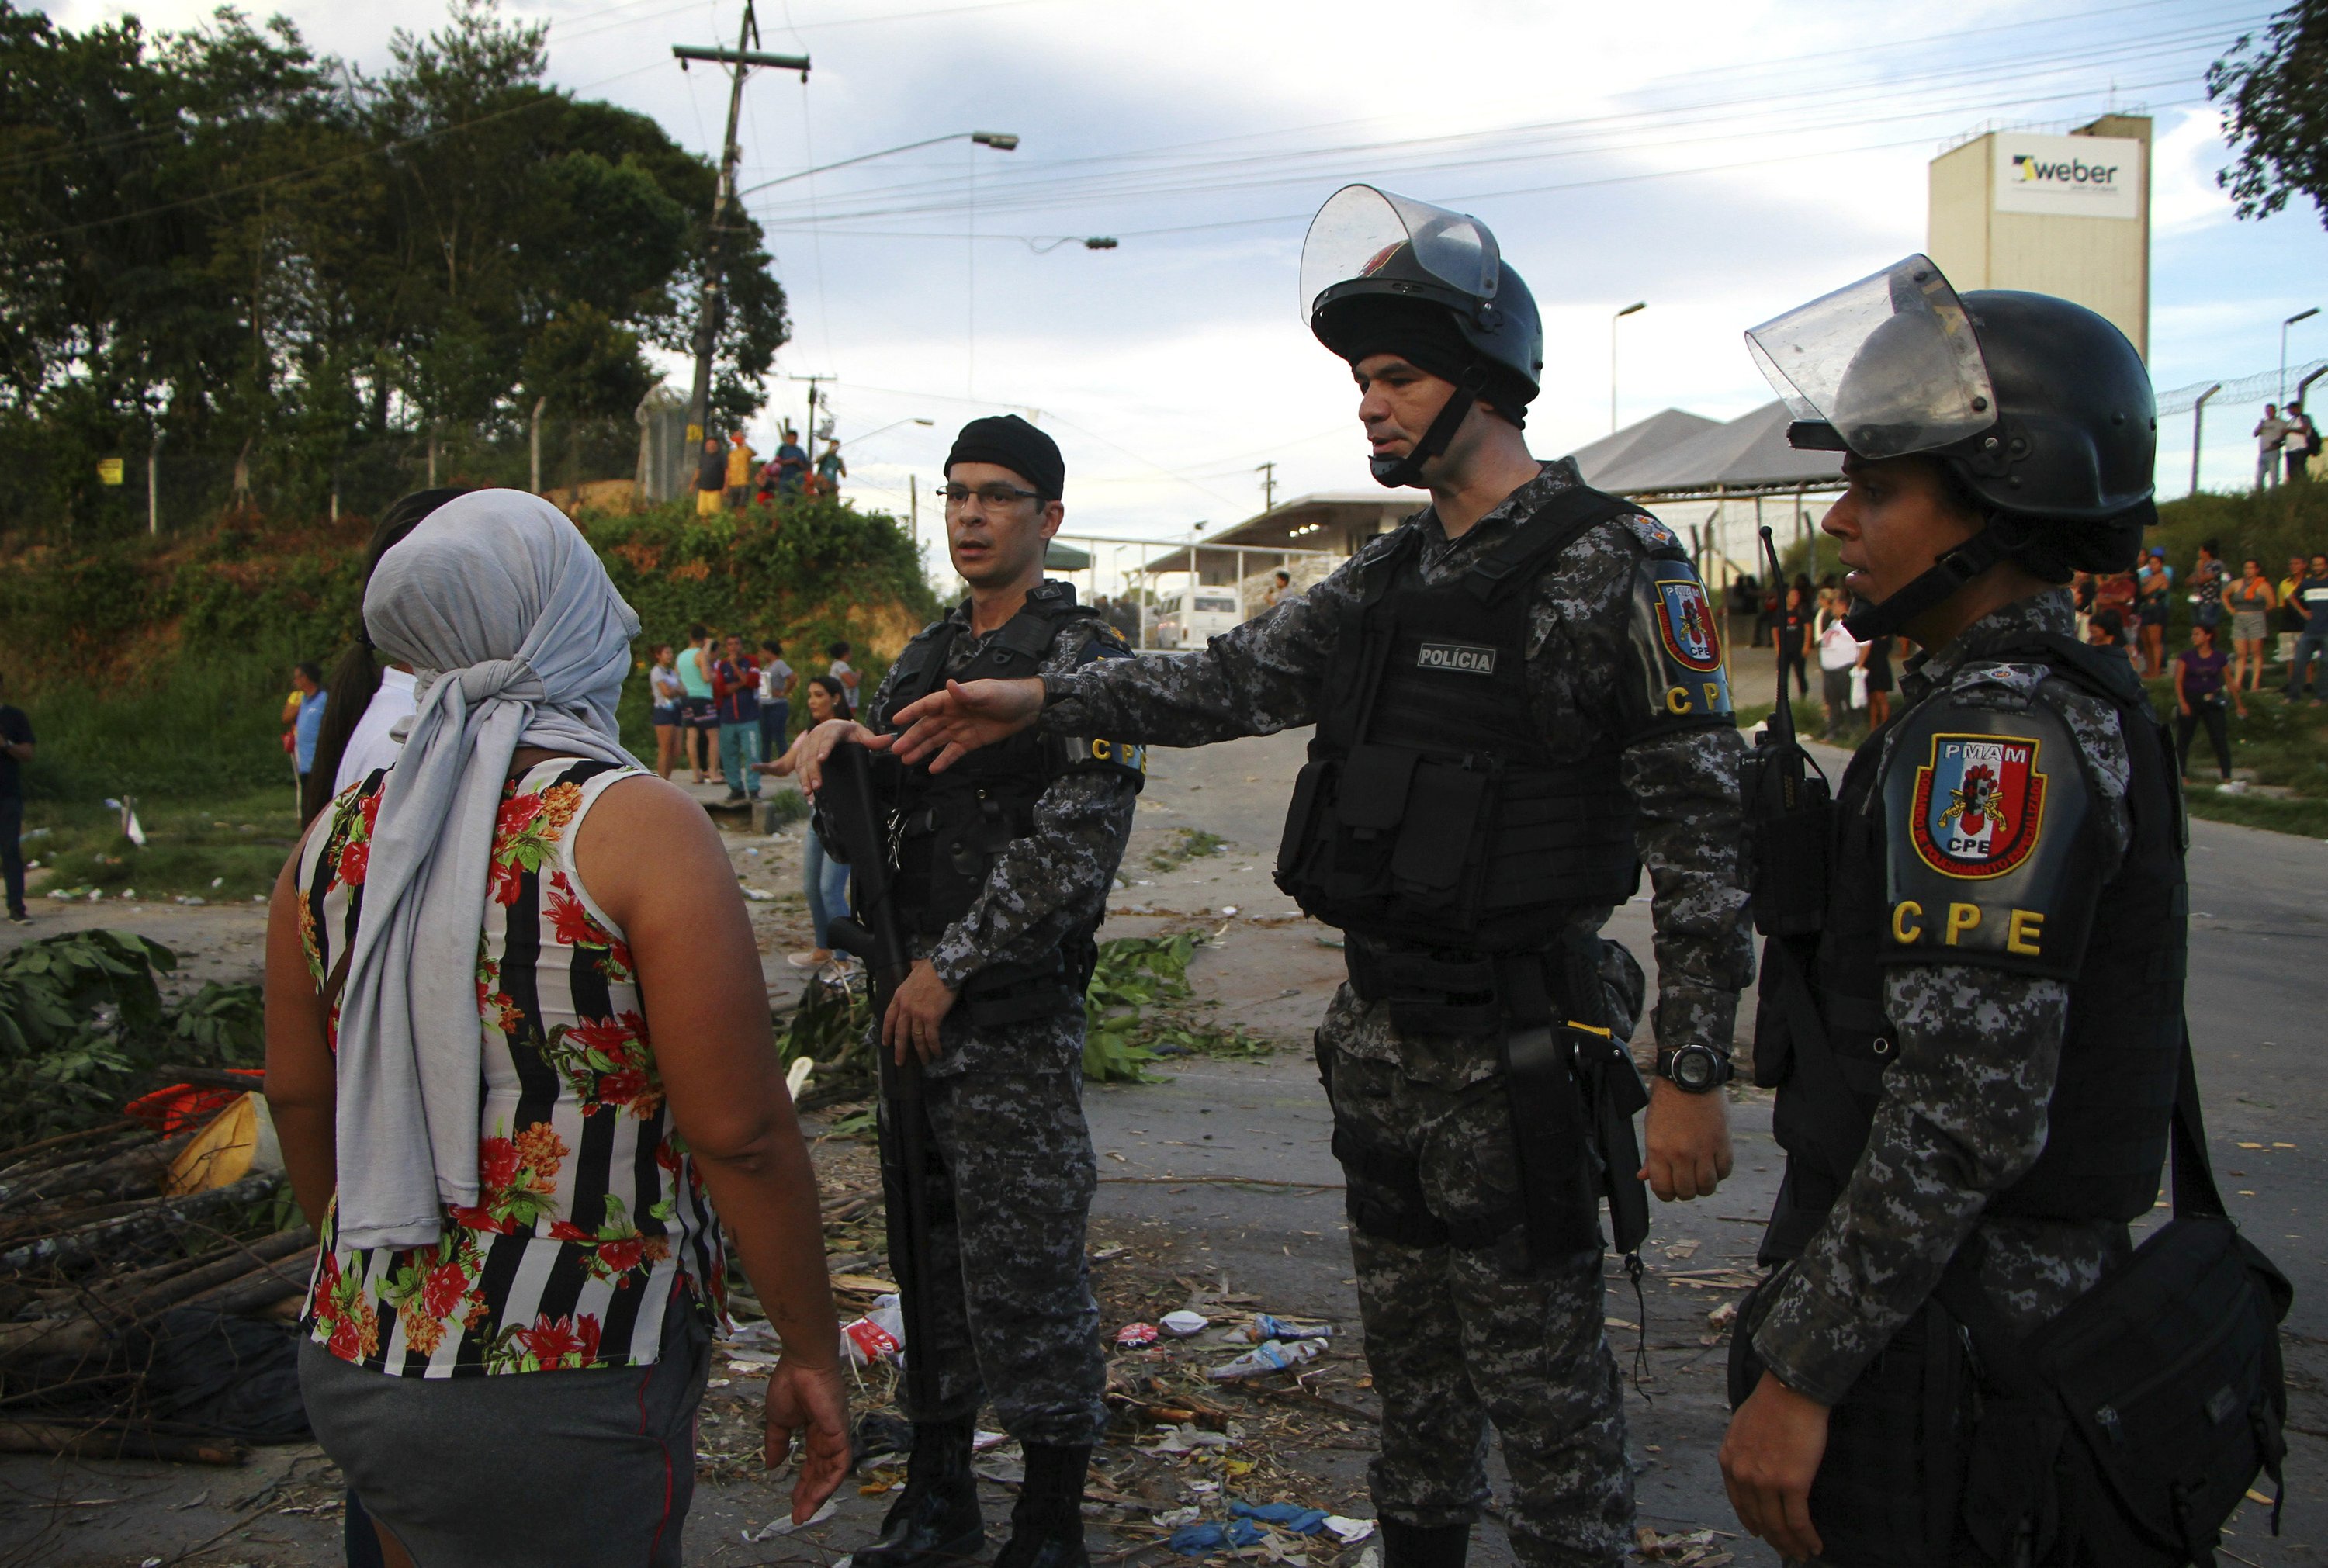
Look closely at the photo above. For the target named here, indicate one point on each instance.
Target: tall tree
(2274, 95)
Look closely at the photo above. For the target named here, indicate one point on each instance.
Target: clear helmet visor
(1360, 232)
(1891, 361)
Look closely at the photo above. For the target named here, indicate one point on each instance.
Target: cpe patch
(1979, 804)
(1685, 624)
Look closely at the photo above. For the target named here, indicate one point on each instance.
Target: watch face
(1695, 1069)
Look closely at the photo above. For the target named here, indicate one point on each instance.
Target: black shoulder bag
(2131, 1426)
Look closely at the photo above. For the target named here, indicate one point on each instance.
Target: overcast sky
(1721, 159)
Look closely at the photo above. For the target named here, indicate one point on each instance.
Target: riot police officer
(1001, 873)
(1975, 1053)
(1519, 699)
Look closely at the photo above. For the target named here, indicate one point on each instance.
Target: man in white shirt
(370, 746)
(2269, 432)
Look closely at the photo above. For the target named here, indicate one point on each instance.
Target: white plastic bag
(1859, 687)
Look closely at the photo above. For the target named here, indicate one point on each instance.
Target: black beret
(1008, 441)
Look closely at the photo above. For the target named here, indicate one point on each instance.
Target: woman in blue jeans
(826, 879)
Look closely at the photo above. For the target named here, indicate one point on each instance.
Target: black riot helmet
(2040, 410)
(1383, 273)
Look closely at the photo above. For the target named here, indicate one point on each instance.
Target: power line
(1052, 183)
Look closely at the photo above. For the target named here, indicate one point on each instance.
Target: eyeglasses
(993, 495)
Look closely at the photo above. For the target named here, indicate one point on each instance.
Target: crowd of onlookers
(725, 479)
(721, 708)
(2240, 622)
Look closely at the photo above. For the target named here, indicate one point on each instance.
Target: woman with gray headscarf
(512, 1160)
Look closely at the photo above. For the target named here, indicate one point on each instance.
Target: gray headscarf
(515, 637)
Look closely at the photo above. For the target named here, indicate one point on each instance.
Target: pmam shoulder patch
(1988, 828)
(1979, 804)
(1685, 625)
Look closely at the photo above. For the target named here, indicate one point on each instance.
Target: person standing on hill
(2310, 602)
(710, 479)
(2251, 601)
(777, 684)
(791, 464)
(736, 689)
(841, 669)
(306, 719)
(15, 750)
(2270, 431)
(832, 468)
(700, 711)
(739, 471)
(2300, 445)
(2199, 699)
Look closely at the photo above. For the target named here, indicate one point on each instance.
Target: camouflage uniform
(1963, 1111)
(1010, 1309)
(1456, 1334)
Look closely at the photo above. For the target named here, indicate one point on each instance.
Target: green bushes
(160, 666)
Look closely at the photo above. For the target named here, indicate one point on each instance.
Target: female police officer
(1976, 1056)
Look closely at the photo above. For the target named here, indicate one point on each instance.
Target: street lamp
(1000, 141)
(1639, 305)
(890, 426)
(2291, 321)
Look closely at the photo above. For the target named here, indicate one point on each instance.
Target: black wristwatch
(1695, 1069)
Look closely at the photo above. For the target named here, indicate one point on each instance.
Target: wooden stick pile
(92, 1254)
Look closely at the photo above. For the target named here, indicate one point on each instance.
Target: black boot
(1046, 1526)
(1414, 1546)
(934, 1522)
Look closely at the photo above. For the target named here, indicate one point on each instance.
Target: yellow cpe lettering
(2025, 932)
(1962, 917)
(1712, 695)
(1101, 750)
(1902, 912)
(1676, 700)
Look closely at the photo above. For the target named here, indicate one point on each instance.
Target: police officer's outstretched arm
(1050, 885)
(1263, 676)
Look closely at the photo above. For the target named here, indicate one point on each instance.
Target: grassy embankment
(158, 670)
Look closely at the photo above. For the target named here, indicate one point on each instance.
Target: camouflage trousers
(1463, 1333)
(1009, 1312)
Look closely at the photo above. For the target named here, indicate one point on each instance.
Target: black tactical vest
(1431, 809)
(1822, 1037)
(952, 825)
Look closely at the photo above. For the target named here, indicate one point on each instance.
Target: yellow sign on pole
(109, 471)
(695, 435)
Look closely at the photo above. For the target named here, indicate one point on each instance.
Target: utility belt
(1570, 1082)
(1017, 993)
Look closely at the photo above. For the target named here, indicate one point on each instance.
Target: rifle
(852, 809)
(1785, 798)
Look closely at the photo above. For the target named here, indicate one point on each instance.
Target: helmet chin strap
(1943, 578)
(1396, 473)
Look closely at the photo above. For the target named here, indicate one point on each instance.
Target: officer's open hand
(916, 1012)
(1773, 1450)
(956, 721)
(812, 1401)
(809, 752)
(1688, 1143)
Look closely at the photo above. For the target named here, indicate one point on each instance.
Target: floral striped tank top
(591, 1222)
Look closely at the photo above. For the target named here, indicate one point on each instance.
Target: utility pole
(1268, 471)
(714, 308)
(808, 432)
